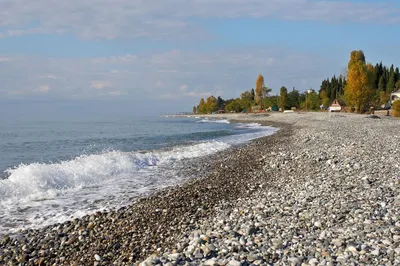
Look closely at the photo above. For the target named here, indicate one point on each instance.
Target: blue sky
(121, 57)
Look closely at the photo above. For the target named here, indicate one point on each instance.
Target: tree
(265, 92)
(247, 95)
(271, 101)
(293, 98)
(371, 77)
(391, 83)
(211, 104)
(220, 102)
(398, 85)
(324, 99)
(201, 108)
(253, 96)
(382, 84)
(396, 108)
(357, 92)
(234, 106)
(259, 89)
(194, 109)
(311, 101)
(283, 98)
(383, 97)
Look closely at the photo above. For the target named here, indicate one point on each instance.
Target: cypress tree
(382, 84)
(391, 83)
(335, 88)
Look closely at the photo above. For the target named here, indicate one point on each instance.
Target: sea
(56, 170)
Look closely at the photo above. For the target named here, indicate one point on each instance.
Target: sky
(147, 57)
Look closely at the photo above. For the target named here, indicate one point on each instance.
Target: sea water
(52, 171)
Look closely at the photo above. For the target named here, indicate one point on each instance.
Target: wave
(38, 181)
(219, 121)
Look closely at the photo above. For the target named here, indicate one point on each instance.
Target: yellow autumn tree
(201, 108)
(211, 104)
(357, 91)
(324, 99)
(259, 89)
(396, 108)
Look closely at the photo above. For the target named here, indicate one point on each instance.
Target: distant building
(335, 106)
(394, 96)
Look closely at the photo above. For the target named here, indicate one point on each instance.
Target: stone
(234, 263)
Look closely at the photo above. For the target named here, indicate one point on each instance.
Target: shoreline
(323, 190)
(81, 231)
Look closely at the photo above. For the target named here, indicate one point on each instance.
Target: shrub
(396, 108)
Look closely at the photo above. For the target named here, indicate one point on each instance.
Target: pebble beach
(323, 190)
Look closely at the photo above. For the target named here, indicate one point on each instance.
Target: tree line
(363, 86)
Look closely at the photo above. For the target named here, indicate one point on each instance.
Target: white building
(394, 96)
(335, 106)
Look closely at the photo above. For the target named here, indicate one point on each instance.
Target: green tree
(247, 95)
(293, 98)
(271, 101)
(265, 92)
(194, 109)
(283, 98)
(253, 95)
(234, 106)
(220, 103)
(391, 83)
(324, 99)
(382, 84)
(311, 101)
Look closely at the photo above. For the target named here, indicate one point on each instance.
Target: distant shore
(311, 193)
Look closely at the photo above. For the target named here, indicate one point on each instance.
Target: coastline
(145, 212)
(311, 193)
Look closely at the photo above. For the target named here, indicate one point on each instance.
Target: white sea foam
(219, 121)
(37, 180)
(40, 194)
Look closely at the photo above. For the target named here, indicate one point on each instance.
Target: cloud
(43, 88)
(115, 93)
(100, 84)
(48, 76)
(183, 87)
(159, 19)
(198, 94)
(219, 73)
(160, 84)
(4, 59)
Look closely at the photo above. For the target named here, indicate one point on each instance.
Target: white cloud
(48, 76)
(159, 19)
(115, 93)
(43, 88)
(159, 84)
(199, 94)
(100, 84)
(183, 87)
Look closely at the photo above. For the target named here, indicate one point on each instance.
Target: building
(394, 96)
(335, 106)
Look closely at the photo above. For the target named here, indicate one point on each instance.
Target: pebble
(318, 192)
